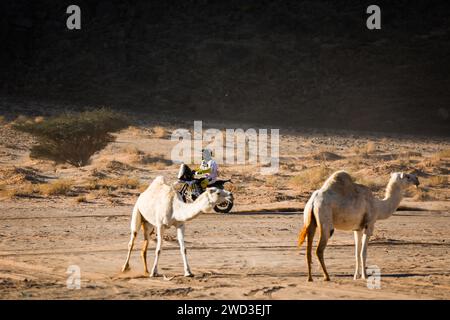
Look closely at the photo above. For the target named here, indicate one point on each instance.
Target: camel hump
(159, 183)
(159, 180)
(340, 182)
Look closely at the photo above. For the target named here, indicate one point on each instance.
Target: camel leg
(365, 241)
(180, 236)
(310, 239)
(126, 266)
(358, 235)
(323, 239)
(159, 236)
(147, 228)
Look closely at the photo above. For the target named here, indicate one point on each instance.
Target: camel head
(405, 179)
(216, 195)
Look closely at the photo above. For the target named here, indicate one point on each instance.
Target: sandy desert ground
(248, 254)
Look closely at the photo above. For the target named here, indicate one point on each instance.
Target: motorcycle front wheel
(224, 207)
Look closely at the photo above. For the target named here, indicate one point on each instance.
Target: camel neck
(391, 201)
(188, 211)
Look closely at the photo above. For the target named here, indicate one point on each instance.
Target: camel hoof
(326, 279)
(154, 275)
(189, 275)
(146, 274)
(125, 268)
(310, 280)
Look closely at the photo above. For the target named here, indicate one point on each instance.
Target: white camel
(345, 205)
(160, 207)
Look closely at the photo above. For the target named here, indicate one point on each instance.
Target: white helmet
(206, 154)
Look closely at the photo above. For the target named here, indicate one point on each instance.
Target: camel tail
(308, 211)
(302, 235)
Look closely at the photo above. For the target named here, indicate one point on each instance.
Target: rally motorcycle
(191, 188)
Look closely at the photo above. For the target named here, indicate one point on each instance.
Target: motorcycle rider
(208, 168)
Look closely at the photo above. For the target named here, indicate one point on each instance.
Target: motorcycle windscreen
(184, 173)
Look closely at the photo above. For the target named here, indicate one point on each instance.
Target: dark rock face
(306, 63)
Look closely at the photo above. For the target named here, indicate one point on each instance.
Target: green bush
(73, 137)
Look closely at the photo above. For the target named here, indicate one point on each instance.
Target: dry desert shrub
(81, 199)
(22, 119)
(370, 147)
(58, 187)
(135, 131)
(159, 132)
(39, 119)
(72, 137)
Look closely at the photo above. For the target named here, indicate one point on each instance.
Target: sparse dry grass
(311, 178)
(355, 163)
(28, 189)
(424, 194)
(135, 131)
(157, 162)
(128, 157)
(134, 154)
(429, 163)
(410, 154)
(290, 166)
(23, 190)
(113, 183)
(374, 183)
(436, 181)
(326, 156)
(274, 181)
(19, 175)
(142, 187)
(365, 150)
(115, 165)
(445, 153)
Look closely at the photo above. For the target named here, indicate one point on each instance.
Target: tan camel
(345, 205)
(160, 207)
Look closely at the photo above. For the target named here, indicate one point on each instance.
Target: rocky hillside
(279, 63)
